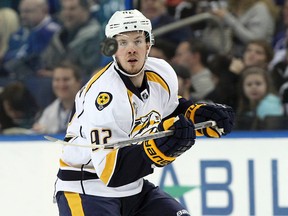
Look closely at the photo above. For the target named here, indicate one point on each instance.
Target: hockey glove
(163, 151)
(223, 116)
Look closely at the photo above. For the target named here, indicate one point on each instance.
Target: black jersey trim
(129, 85)
(73, 175)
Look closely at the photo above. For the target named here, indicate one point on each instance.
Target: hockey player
(132, 96)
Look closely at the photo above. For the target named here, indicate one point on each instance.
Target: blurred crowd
(230, 52)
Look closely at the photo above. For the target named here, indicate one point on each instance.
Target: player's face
(65, 85)
(254, 87)
(132, 51)
(254, 55)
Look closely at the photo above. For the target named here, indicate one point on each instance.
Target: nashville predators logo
(103, 100)
(146, 124)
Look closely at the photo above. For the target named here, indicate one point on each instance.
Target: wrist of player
(164, 150)
(190, 114)
(155, 156)
(223, 116)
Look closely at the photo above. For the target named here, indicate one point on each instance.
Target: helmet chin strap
(131, 75)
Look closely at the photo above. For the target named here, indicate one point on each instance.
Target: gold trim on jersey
(109, 166)
(63, 164)
(96, 76)
(154, 77)
(69, 123)
(130, 94)
(80, 167)
(75, 203)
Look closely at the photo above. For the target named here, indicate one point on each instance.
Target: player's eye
(138, 42)
(122, 43)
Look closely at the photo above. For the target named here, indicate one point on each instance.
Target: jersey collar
(142, 93)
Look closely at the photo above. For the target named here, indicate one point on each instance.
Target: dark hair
(181, 71)
(268, 49)
(85, 4)
(17, 95)
(77, 72)
(197, 46)
(167, 47)
(244, 104)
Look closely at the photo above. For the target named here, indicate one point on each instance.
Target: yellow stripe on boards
(75, 203)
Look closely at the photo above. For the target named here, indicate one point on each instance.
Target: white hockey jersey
(110, 108)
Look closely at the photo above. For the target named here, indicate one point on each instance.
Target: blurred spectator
(9, 23)
(102, 10)
(279, 73)
(184, 80)
(193, 55)
(189, 8)
(279, 2)
(78, 40)
(257, 52)
(66, 82)
(257, 97)
(13, 4)
(185, 8)
(225, 91)
(279, 76)
(54, 7)
(226, 71)
(156, 11)
(18, 109)
(163, 49)
(25, 45)
(283, 92)
(280, 38)
(171, 6)
(249, 20)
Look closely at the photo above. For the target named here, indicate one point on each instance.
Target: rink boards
(236, 175)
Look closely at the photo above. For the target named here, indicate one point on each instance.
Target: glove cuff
(190, 114)
(155, 155)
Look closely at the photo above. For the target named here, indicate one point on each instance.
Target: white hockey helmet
(126, 21)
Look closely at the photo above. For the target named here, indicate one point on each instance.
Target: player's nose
(131, 48)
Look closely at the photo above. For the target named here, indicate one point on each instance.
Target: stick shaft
(132, 140)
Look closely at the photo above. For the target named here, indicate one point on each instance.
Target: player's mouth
(132, 61)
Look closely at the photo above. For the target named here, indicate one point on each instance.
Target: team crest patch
(103, 100)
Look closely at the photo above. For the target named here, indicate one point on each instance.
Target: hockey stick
(132, 140)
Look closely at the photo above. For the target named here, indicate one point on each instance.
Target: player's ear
(147, 46)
